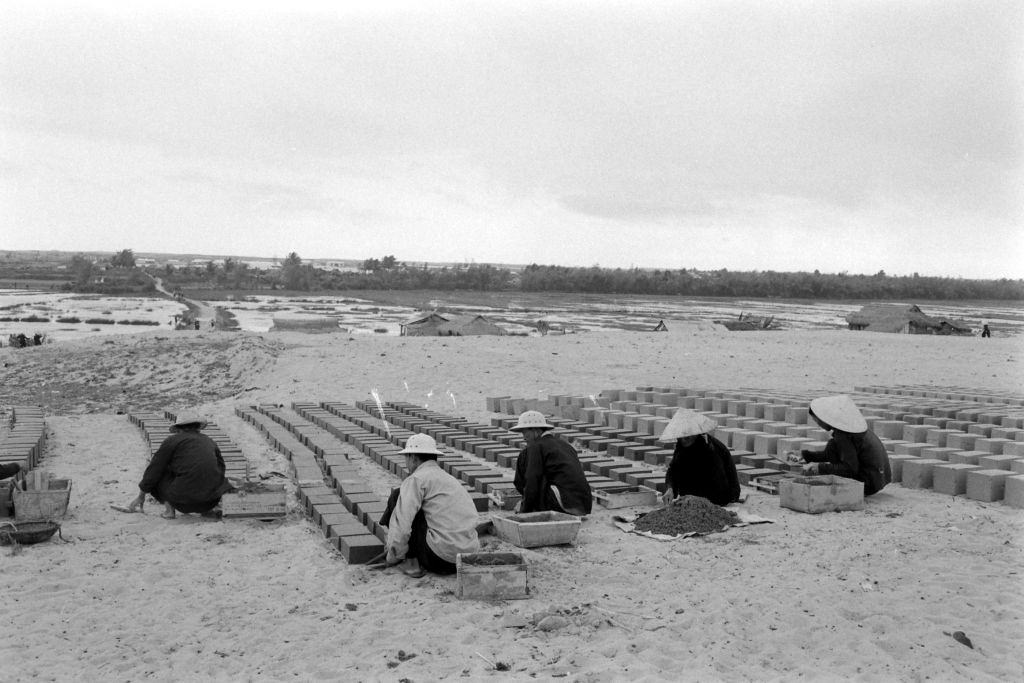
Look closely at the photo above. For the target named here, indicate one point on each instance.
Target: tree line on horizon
(120, 274)
(387, 273)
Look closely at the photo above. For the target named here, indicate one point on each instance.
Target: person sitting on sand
(186, 473)
(701, 464)
(548, 471)
(431, 517)
(854, 451)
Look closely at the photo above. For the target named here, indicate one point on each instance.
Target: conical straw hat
(839, 412)
(687, 423)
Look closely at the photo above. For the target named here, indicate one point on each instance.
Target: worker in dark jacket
(701, 464)
(186, 473)
(9, 469)
(854, 451)
(548, 471)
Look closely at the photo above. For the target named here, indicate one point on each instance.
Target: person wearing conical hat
(854, 451)
(548, 471)
(430, 517)
(186, 473)
(701, 464)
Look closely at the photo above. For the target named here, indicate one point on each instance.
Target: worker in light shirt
(431, 517)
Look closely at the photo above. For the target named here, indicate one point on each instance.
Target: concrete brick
(982, 430)
(1014, 448)
(996, 462)
(916, 433)
(1013, 494)
(889, 429)
(321, 509)
(780, 428)
(938, 452)
(938, 437)
(917, 473)
(987, 485)
(896, 464)
(966, 457)
(766, 444)
(911, 448)
(636, 453)
(991, 445)
(660, 456)
(951, 479)
(744, 439)
(1017, 466)
(359, 549)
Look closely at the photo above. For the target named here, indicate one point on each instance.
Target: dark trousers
(418, 547)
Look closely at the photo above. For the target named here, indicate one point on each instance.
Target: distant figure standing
(985, 332)
(197, 323)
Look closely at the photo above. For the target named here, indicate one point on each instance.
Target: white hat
(687, 423)
(421, 444)
(839, 412)
(186, 419)
(532, 419)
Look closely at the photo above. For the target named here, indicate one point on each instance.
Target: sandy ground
(871, 595)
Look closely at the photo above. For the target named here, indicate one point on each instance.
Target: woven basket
(27, 533)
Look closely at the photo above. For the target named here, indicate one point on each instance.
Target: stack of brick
(23, 442)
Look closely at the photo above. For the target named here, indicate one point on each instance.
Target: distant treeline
(386, 273)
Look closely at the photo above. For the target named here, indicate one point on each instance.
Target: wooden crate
(626, 496)
(49, 501)
(823, 493)
(264, 502)
(492, 576)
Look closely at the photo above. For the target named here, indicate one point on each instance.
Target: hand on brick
(794, 457)
(812, 468)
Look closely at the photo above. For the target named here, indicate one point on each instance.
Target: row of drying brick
(23, 442)
(330, 489)
(975, 394)
(156, 426)
(392, 430)
(495, 443)
(769, 441)
(988, 478)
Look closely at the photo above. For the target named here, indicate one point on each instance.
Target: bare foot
(412, 569)
(168, 512)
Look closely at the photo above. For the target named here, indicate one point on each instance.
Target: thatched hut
(422, 325)
(902, 318)
(448, 325)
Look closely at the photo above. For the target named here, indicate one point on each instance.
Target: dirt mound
(138, 372)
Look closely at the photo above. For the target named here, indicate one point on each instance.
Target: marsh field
(60, 315)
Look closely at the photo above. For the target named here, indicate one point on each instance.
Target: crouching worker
(548, 471)
(701, 464)
(853, 451)
(186, 473)
(431, 517)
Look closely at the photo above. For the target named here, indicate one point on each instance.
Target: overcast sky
(839, 136)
